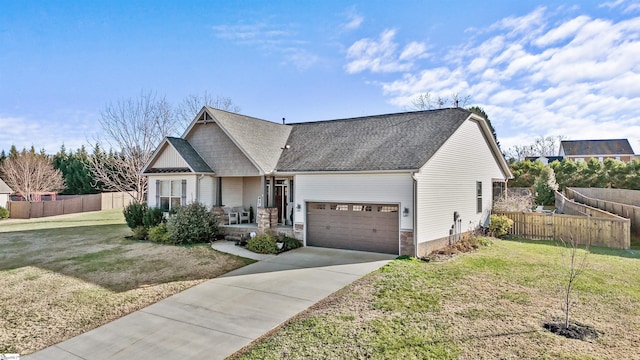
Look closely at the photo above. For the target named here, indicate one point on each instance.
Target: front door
(281, 202)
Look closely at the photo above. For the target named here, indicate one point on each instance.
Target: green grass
(488, 304)
(65, 275)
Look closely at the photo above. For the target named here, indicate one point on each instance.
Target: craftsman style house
(401, 183)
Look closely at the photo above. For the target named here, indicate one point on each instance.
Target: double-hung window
(170, 194)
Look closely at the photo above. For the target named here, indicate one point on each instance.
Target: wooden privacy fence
(613, 233)
(67, 205)
(624, 209)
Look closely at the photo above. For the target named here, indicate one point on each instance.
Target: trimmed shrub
(263, 244)
(477, 241)
(499, 226)
(290, 243)
(140, 233)
(192, 224)
(159, 234)
(153, 217)
(4, 213)
(134, 214)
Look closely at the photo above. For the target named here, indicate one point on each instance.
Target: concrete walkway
(218, 317)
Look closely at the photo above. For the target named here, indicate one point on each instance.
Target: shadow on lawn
(101, 255)
(633, 253)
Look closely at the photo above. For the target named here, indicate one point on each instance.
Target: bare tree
(514, 202)
(424, 101)
(458, 100)
(132, 128)
(575, 263)
(191, 105)
(28, 173)
(548, 145)
(541, 146)
(520, 152)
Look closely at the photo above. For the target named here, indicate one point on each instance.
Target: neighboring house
(388, 183)
(5, 192)
(583, 150)
(544, 159)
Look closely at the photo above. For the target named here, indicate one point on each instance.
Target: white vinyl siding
(251, 191)
(169, 158)
(447, 183)
(4, 198)
(207, 190)
(382, 188)
(190, 191)
(232, 191)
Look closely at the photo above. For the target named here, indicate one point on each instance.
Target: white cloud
(562, 32)
(269, 40)
(544, 73)
(71, 129)
(258, 32)
(301, 58)
(354, 20)
(522, 27)
(612, 4)
(381, 55)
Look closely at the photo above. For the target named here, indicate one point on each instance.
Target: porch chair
(243, 215)
(230, 215)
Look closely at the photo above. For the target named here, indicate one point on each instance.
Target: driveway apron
(218, 317)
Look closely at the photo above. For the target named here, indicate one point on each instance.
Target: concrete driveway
(218, 317)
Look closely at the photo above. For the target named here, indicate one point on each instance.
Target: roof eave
(493, 144)
(321, 172)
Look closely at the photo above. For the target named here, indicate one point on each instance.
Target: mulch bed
(575, 330)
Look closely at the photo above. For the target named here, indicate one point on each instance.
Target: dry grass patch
(62, 278)
(490, 304)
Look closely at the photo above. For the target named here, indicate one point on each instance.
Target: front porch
(266, 220)
(249, 228)
(242, 197)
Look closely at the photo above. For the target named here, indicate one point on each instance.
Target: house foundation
(407, 247)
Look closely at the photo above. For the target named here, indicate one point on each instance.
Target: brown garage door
(364, 227)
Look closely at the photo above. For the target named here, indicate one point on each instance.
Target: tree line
(131, 129)
(67, 172)
(609, 173)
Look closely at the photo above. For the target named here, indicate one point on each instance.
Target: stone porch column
(267, 219)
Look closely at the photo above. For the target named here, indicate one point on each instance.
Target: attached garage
(364, 227)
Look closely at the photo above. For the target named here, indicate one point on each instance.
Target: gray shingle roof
(193, 159)
(261, 140)
(4, 188)
(401, 141)
(597, 147)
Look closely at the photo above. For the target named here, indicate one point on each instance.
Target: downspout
(198, 188)
(415, 214)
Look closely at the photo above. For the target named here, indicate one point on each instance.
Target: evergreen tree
(545, 187)
(480, 112)
(75, 169)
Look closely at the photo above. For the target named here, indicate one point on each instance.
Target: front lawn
(490, 304)
(64, 275)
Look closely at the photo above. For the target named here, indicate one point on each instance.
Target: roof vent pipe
(282, 121)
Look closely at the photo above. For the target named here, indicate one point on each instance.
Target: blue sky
(569, 68)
